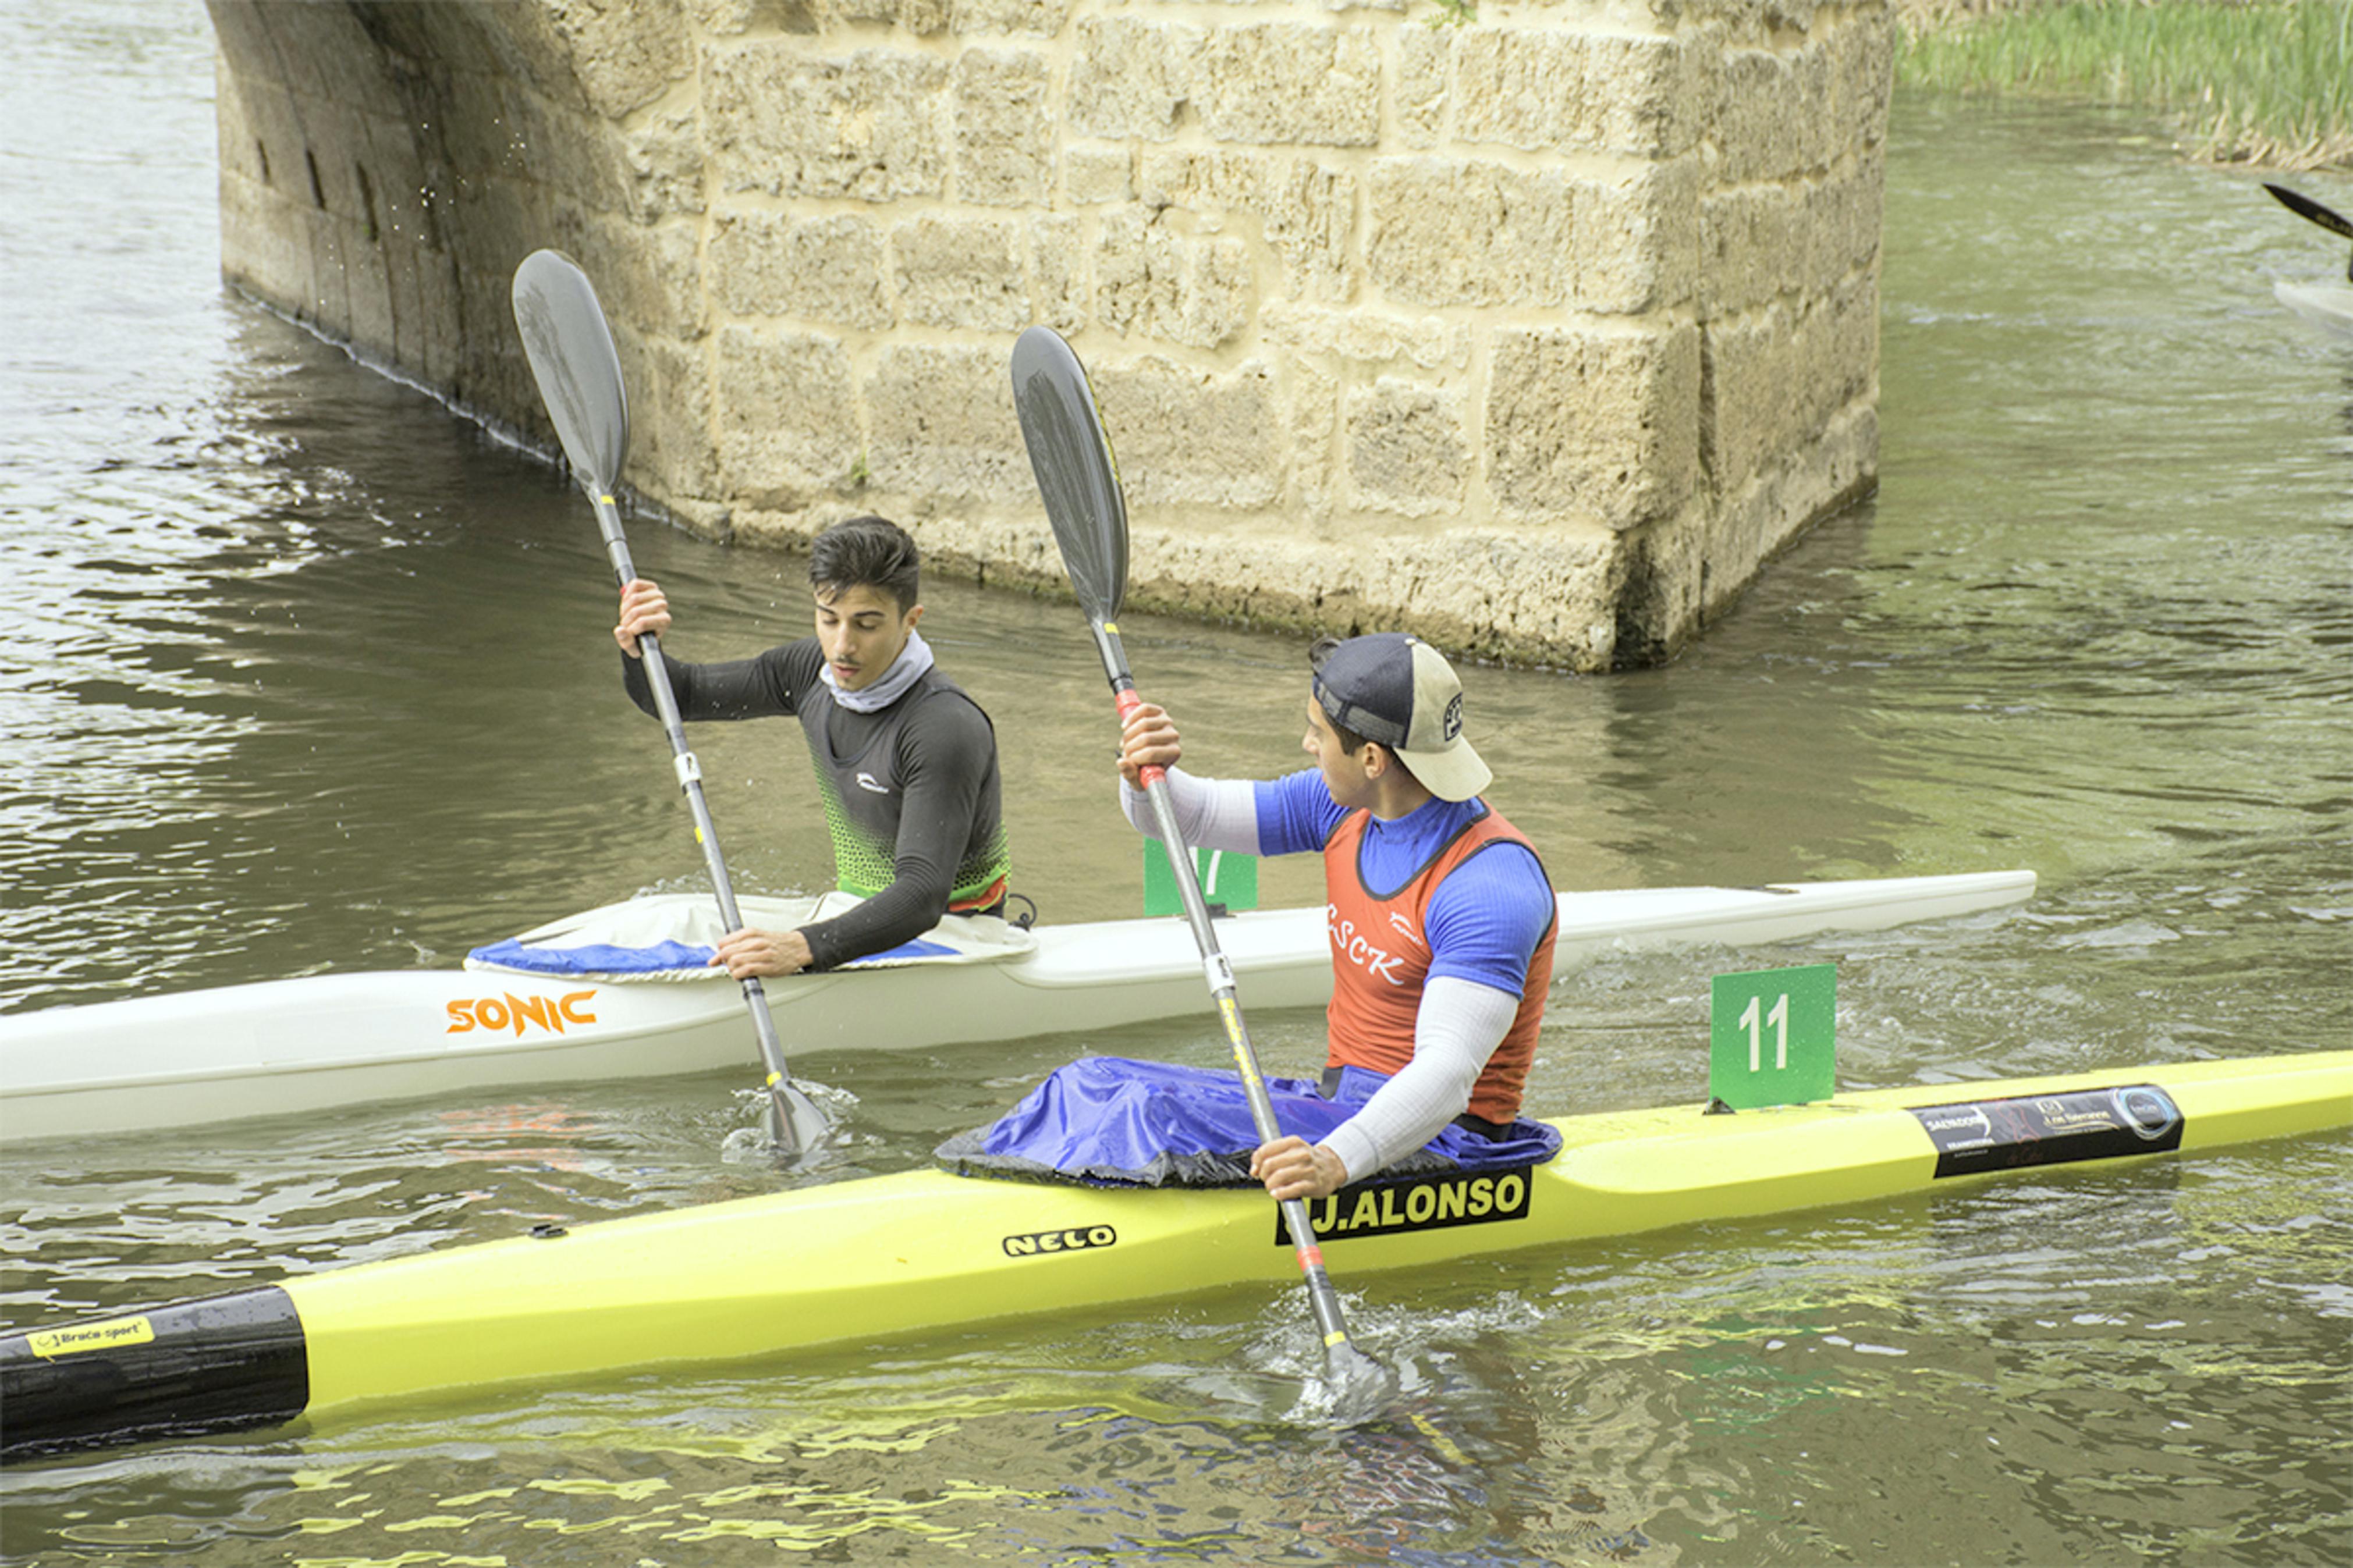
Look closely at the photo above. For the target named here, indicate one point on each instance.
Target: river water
(306, 675)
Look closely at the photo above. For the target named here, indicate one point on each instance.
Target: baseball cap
(1396, 689)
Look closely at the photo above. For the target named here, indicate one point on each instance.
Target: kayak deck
(282, 1046)
(924, 1250)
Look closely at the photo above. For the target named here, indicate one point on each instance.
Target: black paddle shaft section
(223, 1364)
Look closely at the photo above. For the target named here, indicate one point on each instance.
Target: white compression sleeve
(1459, 1026)
(1212, 814)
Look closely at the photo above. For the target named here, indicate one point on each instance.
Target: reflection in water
(320, 679)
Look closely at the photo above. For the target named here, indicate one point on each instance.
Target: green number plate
(1226, 878)
(1769, 1036)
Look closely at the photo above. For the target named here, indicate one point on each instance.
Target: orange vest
(1381, 960)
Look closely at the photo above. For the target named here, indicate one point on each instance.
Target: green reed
(2270, 81)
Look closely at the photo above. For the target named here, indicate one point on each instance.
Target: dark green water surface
(305, 674)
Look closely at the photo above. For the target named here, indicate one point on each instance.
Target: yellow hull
(926, 1250)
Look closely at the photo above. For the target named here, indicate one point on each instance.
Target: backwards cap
(1397, 690)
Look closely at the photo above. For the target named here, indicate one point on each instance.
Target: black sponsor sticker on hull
(2052, 1128)
(1427, 1203)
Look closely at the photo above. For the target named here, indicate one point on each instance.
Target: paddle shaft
(706, 833)
(1219, 972)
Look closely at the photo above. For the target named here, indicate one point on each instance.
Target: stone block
(1059, 267)
(1360, 335)
(962, 272)
(1864, 64)
(1408, 453)
(785, 411)
(1033, 18)
(1298, 84)
(943, 425)
(1638, 239)
(1775, 378)
(1424, 66)
(826, 271)
(670, 424)
(663, 154)
(867, 125)
(623, 57)
(1645, 96)
(1152, 281)
(1451, 231)
(1593, 425)
(1188, 437)
(1313, 408)
(1092, 176)
(728, 18)
(1305, 212)
(1521, 87)
(925, 19)
(1005, 122)
(1130, 74)
(1776, 113)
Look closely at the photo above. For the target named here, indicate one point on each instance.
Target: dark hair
(866, 552)
(1350, 742)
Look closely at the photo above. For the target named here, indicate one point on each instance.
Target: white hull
(2325, 305)
(291, 1045)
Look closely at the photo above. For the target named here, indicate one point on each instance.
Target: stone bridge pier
(1536, 331)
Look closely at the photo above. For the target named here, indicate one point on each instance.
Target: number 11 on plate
(1770, 1038)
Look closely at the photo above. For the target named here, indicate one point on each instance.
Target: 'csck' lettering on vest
(1375, 961)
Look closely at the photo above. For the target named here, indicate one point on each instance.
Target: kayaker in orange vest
(1442, 916)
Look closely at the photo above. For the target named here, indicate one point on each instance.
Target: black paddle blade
(2335, 222)
(1078, 477)
(570, 347)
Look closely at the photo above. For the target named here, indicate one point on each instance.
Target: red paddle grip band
(1310, 1257)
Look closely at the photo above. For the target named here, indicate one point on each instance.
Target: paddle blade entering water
(1363, 1390)
(1078, 477)
(570, 346)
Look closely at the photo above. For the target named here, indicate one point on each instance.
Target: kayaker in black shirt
(905, 760)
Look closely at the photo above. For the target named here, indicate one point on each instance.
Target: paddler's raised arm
(1212, 814)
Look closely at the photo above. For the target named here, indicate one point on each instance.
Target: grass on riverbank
(2267, 82)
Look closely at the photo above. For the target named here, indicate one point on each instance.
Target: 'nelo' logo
(512, 1011)
(1432, 1203)
(1038, 1243)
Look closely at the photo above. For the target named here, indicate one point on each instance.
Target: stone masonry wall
(1536, 333)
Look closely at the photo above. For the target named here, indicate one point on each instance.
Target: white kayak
(281, 1047)
(2325, 305)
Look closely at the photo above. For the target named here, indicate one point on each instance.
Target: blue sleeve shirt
(1485, 920)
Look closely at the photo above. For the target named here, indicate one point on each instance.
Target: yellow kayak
(926, 1250)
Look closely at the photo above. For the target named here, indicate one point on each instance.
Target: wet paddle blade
(796, 1128)
(572, 357)
(1363, 1390)
(1077, 476)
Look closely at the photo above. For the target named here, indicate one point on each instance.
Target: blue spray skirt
(1114, 1121)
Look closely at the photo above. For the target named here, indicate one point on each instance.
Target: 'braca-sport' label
(2052, 1128)
(1426, 1203)
(112, 1334)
